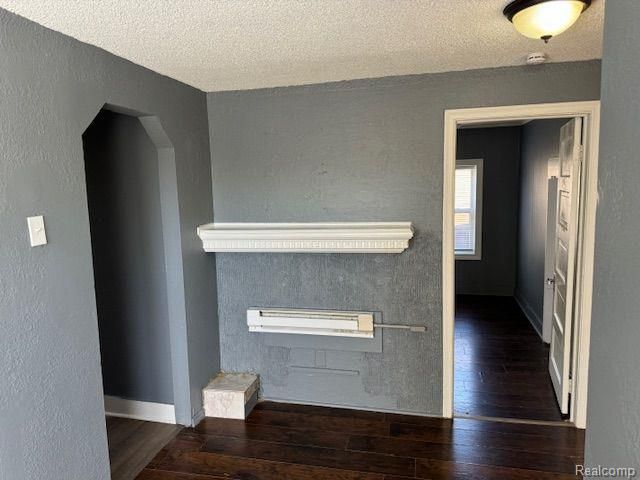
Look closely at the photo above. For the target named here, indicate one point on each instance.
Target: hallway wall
(495, 273)
(540, 141)
(123, 193)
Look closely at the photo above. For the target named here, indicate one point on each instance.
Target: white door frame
(590, 112)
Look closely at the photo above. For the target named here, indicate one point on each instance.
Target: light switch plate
(37, 234)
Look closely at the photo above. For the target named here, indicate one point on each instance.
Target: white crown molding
(337, 237)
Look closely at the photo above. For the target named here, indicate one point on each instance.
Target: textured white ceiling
(242, 44)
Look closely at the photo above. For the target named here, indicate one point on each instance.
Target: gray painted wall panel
(51, 393)
(613, 419)
(121, 165)
(495, 273)
(540, 141)
(360, 150)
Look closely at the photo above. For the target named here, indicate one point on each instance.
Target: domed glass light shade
(544, 18)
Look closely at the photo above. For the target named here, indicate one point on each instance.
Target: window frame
(478, 163)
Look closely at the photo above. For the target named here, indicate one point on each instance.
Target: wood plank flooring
(134, 443)
(500, 362)
(282, 441)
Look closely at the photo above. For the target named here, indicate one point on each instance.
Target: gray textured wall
(51, 409)
(614, 389)
(495, 273)
(540, 141)
(360, 150)
(123, 191)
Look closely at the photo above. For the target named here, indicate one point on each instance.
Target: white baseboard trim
(197, 417)
(534, 320)
(148, 411)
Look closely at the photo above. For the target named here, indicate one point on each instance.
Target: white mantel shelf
(338, 237)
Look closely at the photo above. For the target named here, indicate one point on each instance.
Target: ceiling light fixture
(544, 18)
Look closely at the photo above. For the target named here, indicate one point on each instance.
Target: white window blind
(466, 211)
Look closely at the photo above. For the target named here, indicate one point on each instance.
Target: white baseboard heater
(311, 322)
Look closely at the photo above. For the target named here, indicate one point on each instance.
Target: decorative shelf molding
(338, 237)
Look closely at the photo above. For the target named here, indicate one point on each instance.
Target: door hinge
(570, 384)
(581, 154)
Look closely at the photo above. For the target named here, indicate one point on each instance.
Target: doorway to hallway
(573, 249)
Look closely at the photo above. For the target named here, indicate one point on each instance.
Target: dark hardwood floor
(500, 362)
(282, 442)
(133, 443)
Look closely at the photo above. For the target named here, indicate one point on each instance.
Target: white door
(566, 237)
(549, 257)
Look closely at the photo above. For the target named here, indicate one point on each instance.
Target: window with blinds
(467, 195)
